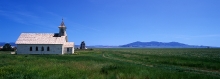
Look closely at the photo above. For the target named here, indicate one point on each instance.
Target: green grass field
(118, 63)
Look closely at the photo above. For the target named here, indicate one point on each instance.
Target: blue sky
(115, 22)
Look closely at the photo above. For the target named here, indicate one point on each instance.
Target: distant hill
(155, 44)
(138, 44)
(11, 43)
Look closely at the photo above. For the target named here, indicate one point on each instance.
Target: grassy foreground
(115, 64)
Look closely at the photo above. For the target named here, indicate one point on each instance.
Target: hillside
(161, 45)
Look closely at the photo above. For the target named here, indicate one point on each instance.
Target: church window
(36, 48)
(48, 48)
(30, 48)
(42, 48)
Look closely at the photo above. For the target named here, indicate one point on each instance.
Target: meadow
(115, 63)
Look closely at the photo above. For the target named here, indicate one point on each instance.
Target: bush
(7, 47)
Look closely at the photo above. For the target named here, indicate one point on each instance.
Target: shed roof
(69, 44)
(40, 38)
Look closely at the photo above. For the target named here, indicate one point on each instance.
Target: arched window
(48, 48)
(30, 48)
(42, 48)
(36, 48)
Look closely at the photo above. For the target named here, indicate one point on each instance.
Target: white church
(45, 43)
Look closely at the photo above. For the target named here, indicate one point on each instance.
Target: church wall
(68, 50)
(25, 49)
(73, 50)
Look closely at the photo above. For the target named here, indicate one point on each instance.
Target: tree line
(7, 47)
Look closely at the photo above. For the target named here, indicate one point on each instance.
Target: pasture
(117, 63)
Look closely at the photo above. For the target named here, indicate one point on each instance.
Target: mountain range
(138, 44)
(155, 44)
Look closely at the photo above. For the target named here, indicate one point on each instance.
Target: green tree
(7, 47)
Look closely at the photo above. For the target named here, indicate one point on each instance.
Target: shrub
(7, 47)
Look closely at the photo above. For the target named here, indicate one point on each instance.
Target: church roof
(40, 38)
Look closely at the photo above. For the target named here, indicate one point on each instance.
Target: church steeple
(62, 23)
(62, 29)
